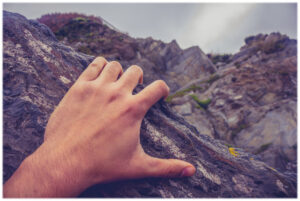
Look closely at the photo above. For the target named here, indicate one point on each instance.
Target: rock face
(159, 60)
(252, 100)
(38, 70)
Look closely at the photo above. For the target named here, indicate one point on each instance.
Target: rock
(273, 136)
(185, 109)
(253, 100)
(159, 60)
(34, 63)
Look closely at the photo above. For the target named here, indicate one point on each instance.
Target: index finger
(152, 93)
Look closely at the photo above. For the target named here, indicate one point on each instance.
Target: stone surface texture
(37, 72)
(253, 100)
(159, 60)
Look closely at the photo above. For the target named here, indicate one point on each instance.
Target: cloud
(210, 26)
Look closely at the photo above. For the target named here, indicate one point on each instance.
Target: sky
(214, 27)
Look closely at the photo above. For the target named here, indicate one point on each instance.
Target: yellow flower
(233, 152)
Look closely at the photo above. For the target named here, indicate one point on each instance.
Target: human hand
(93, 135)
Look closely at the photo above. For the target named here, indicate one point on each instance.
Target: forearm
(40, 175)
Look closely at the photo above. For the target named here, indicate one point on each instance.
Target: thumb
(157, 167)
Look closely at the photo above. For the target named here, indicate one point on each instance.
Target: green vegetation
(215, 58)
(183, 92)
(263, 148)
(202, 104)
(237, 130)
(80, 19)
(271, 46)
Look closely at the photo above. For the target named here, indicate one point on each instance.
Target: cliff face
(37, 72)
(247, 99)
(250, 102)
(159, 60)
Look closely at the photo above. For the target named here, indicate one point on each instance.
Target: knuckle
(93, 64)
(161, 85)
(115, 92)
(96, 61)
(137, 69)
(100, 58)
(169, 170)
(134, 108)
(115, 63)
(82, 88)
(114, 66)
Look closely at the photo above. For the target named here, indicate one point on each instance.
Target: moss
(202, 103)
(263, 148)
(183, 92)
(237, 130)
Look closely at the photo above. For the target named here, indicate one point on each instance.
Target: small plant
(270, 47)
(215, 58)
(183, 92)
(80, 19)
(233, 152)
(202, 103)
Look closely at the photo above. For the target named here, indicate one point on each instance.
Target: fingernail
(187, 171)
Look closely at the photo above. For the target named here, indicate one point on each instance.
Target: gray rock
(246, 96)
(159, 60)
(274, 136)
(185, 109)
(37, 70)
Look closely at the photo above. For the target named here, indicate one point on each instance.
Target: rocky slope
(38, 70)
(159, 60)
(250, 102)
(249, 98)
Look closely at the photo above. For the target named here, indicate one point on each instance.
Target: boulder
(37, 72)
(253, 100)
(159, 60)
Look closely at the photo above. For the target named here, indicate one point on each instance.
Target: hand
(93, 136)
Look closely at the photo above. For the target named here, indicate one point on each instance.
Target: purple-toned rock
(37, 72)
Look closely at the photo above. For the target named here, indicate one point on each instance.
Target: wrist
(46, 173)
(58, 172)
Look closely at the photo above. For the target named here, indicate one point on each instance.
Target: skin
(93, 132)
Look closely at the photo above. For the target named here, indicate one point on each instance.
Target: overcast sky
(218, 27)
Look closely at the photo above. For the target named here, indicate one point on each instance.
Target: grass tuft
(201, 103)
(183, 92)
